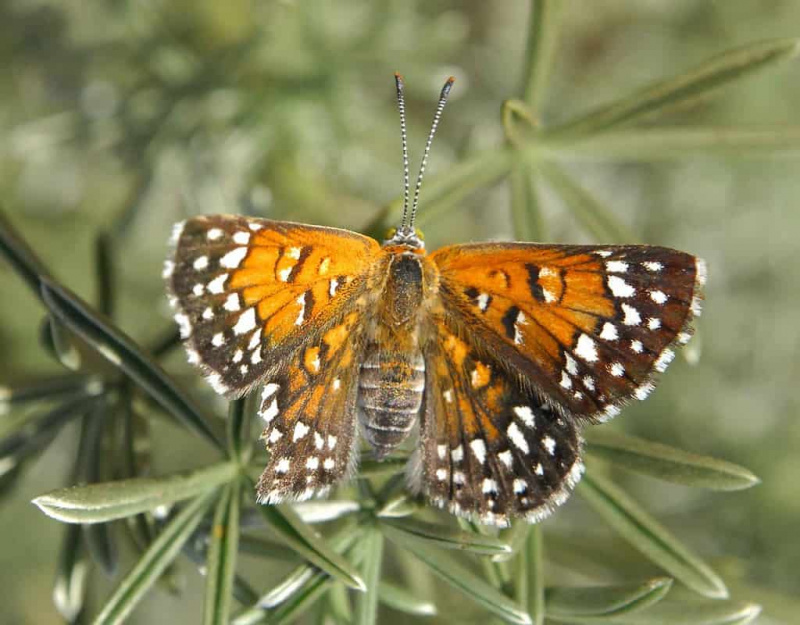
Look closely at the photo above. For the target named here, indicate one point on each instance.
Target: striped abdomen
(390, 391)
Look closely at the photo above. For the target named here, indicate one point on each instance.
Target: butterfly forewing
(309, 411)
(248, 292)
(490, 449)
(586, 326)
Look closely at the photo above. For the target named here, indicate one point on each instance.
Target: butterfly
(493, 356)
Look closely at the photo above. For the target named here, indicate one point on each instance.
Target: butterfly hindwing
(587, 326)
(489, 449)
(309, 411)
(248, 292)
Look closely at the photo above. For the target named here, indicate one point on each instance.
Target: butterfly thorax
(392, 375)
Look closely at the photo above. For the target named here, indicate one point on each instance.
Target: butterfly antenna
(439, 108)
(401, 106)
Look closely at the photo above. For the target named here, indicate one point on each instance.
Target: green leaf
(651, 538)
(366, 605)
(324, 510)
(21, 256)
(677, 143)
(667, 463)
(442, 536)
(303, 539)
(263, 548)
(154, 561)
(515, 536)
(685, 612)
(240, 445)
(404, 600)
(123, 353)
(221, 559)
(543, 30)
(535, 594)
(719, 71)
(569, 603)
(302, 587)
(461, 578)
(97, 503)
(69, 591)
(598, 220)
(527, 217)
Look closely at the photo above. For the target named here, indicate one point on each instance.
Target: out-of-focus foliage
(121, 117)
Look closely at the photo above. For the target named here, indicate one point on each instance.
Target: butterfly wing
(249, 292)
(309, 411)
(489, 449)
(586, 326)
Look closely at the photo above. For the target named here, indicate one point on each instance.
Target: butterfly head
(407, 237)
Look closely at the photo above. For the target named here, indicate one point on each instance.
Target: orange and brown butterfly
(500, 352)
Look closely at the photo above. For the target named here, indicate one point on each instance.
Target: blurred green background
(127, 115)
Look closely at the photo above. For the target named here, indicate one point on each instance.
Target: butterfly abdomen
(390, 391)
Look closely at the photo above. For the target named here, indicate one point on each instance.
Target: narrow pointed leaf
(69, 591)
(123, 353)
(566, 603)
(542, 38)
(596, 219)
(462, 579)
(527, 217)
(651, 538)
(443, 536)
(261, 548)
(303, 539)
(404, 600)
(672, 612)
(721, 70)
(515, 537)
(322, 510)
(240, 445)
(21, 257)
(366, 603)
(154, 561)
(97, 503)
(298, 590)
(677, 143)
(221, 558)
(668, 463)
(535, 594)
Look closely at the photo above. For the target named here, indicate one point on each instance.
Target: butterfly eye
(390, 233)
(419, 234)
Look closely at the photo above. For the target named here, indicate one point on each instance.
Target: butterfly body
(498, 352)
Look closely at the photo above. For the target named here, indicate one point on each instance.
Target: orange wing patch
(250, 291)
(588, 326)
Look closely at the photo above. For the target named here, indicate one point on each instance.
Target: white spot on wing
(283, 274)
(294, 252)
(632, 316)
(637, 347)
(283, 465)
(525, 414)
(566, 381)
(329, 463)
(300, 430)
(517, 437)
(488, 486)
(246, 322)
(616, 369)
(214, 234)
(519, 486)
(620, 288)
(653, 266)
(572, 366)
(659, 297)
(644, 390)
(441, 475)
(483, 301)
(198, 289)
(184, 325)
(664, 359)
(232, 303)
(506, 457)
(441, 451)
(457, 454)
(549, 444)
(255, 340)
(332, 286)
(208, 313)
(653, 323)
(301, 315)
(241, 238)
(200, 263)
(270, 412)
(479, 449)
(169, 268)
(217, 285)
(233, 259)
(609, 332)
(616, 266)
(701, 271)
(586, 348)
